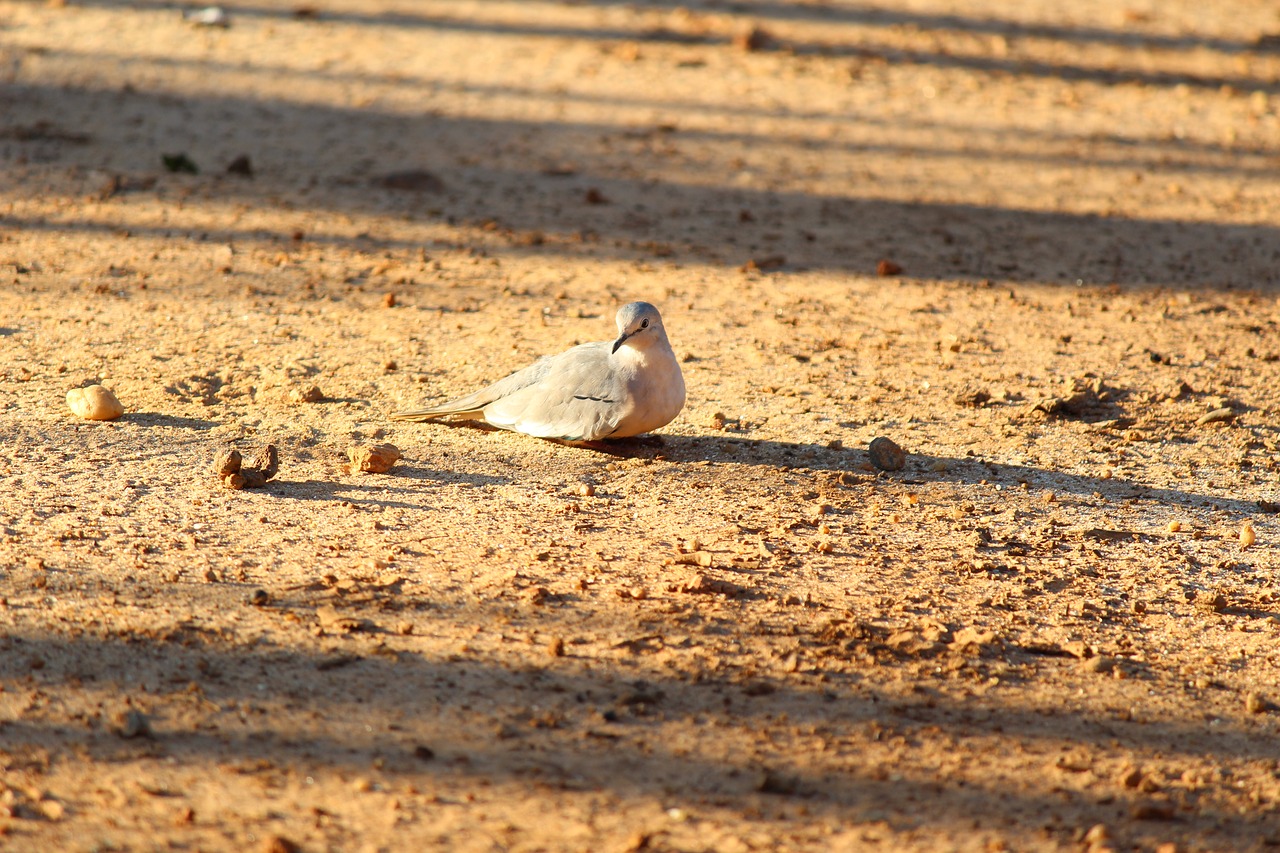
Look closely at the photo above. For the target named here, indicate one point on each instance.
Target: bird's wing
(474, 404)
(581, 397)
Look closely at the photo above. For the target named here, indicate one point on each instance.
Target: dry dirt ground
(1055, 629)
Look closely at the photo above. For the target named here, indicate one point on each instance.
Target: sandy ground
(1055, 629)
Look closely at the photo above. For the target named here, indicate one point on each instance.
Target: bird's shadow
(479, 426)
(920, 468)
(392, 483)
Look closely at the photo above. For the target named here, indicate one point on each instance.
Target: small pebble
(1100, 664)
(210, 16)
(886, 454)
(1247, 536)
(1174, 526)
(586, 490)
(1097, 834)
(556, 648)
(772, 782)
(1216, 416)
(134, 724)
(1256, 703)
(52, 810)
(753, 39)
(1152, 811)
(1216, 603)
(95, 403)
(279, 844)
(227, 463)
(374, 459)
(306, 394)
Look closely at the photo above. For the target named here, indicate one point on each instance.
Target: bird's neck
(638, 355)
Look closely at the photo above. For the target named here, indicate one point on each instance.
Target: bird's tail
(471, 405)
(415, 415)
(435, 412)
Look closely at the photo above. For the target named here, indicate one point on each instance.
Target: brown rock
(374, 459)
(52, 810)
(1100, 664)
(1153, 810)
(227, 462)
(764, 264)
(266, 461)
(1222, 415)
(886, 455)
(133, 724)
(279, 844)
(753, 40)
(773, 782)
(253, 474)
(1097, 835)
(95, 403)
(306, 394)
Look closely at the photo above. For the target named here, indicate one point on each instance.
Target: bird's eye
(644, 324)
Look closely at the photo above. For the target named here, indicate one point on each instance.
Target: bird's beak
(622, 337)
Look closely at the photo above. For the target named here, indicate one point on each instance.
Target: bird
(594, 391)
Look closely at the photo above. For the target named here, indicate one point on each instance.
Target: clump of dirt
(254, 474)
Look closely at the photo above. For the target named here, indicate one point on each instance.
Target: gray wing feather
(579, 398)
(473, 404)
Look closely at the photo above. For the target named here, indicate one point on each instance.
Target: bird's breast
(657, 392)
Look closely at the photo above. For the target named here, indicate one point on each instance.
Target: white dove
(605, 389)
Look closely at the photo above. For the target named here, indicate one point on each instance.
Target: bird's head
(639, 324)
